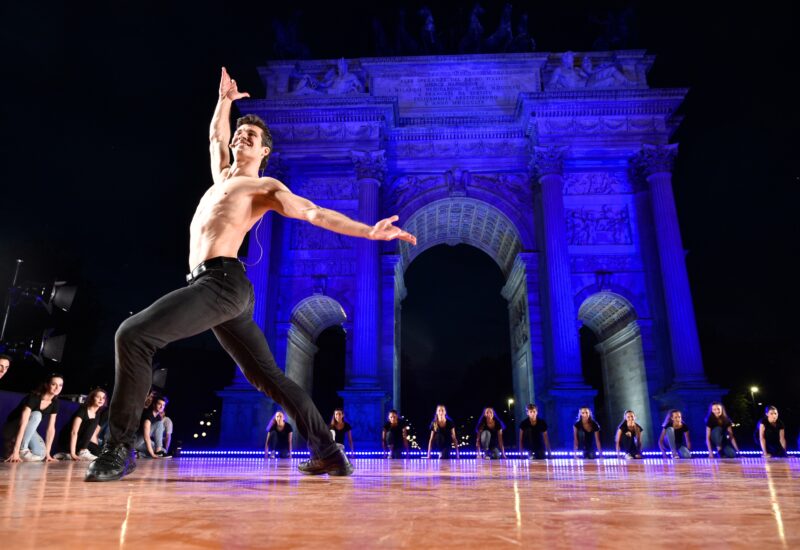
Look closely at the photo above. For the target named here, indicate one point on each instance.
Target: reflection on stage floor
(224, 502)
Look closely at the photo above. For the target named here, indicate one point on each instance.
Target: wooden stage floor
(257, 503)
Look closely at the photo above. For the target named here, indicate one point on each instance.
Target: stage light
(753, 389)
(45, 346)
(57, 294)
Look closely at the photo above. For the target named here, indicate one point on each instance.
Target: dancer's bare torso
(227, 211)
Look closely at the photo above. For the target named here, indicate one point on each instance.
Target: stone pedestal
(364, 410)
(245, 414)
(562, 404)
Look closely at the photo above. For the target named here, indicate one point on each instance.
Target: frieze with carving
(439, 149)
(596, 183)
(305, 236)
(513, 187)
(609, 224)
(406, 188)
(282, 133)
(600, 125)
(617, 263)
(326, 188)
(607, 74)
(336, 80)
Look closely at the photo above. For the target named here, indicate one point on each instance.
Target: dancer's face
(716, 410)
(441, 412)
(160, 404)
(630, 418)
(99, 399)
(246, 143)
(392, 419)
(677, 418)
(532, 414)
(4, 366)
(584, 414)
(279, 418)
(55, 385)
(489, 414)
(772, 416)
(338, 416)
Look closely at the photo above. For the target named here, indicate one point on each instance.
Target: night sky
(105, 111)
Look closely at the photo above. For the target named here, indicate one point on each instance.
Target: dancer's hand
(228, 88)
(385, 231)
(14, 458)
(49, 458)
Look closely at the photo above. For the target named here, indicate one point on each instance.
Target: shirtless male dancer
(220, 297)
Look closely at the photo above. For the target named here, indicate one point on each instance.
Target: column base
(364, 409)
(693, 400)
(245, 414)
(562, 403)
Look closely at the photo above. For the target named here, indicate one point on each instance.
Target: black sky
(105, 110)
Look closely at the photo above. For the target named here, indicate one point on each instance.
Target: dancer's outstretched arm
(286, 203)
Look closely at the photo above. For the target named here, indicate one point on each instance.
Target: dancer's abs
(219, 226)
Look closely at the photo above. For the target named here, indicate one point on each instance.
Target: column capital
(547, 160)
(654, 159)
(369, 164)
(276, 167)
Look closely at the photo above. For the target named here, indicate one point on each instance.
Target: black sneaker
(162, 454)
(114, 462)
(333, 465)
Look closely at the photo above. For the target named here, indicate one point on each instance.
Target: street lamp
(753, 392)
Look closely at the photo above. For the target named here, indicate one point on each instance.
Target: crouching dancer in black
(220, 297)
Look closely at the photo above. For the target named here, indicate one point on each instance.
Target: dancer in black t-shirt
(280, 432)
(339, 428)
(150, 417)
(21, 441)
(443, 433)
(628, 440)
(771, 436)
(533, 437)
(675, 435)
(582, 432)
(75, 438)
(394, 435)
(719, 432)
(489, 435)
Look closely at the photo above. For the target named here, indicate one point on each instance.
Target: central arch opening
(613, 361)
(329, 370)
(456, 343)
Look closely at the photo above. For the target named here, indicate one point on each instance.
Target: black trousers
(220, 299)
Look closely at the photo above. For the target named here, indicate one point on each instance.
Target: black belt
(212, 263)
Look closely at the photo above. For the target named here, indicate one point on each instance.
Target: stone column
(655, 165)
(566, 355)
(363, 397)
(567, 390)
(370, 168)
(690, 390)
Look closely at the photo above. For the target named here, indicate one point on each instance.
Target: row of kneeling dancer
(533, 440)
